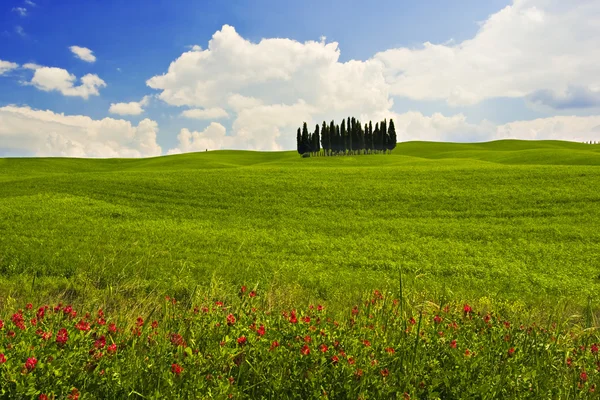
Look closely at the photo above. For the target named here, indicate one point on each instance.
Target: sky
(107, 78)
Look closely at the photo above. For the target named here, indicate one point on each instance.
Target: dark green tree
(316, 141)
(344, 137)
(299, 142)
(392, 138)
(305, 139)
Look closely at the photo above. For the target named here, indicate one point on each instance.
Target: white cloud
(32, 66)
(46, 133)
(50, 78)
(212, 138)
(20, 31)
(272, 76)
(20, 10)
(131, 108)
(528, 46)
(456, 128)
(83, 53)
(6, 66)
(30, 3)
(207, 113)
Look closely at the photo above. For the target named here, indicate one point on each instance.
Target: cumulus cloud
(83, 53)
(46, 133)
(271, 79)
(571, 98)
(131, 108)
(58, 79)
(456, 128)
(207, 113)
(213, 137)
(528, 46)
(6, 66)
(22, 11)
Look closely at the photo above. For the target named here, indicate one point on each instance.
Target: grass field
(248, 243)
(505, 220)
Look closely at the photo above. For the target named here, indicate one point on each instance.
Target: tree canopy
(349, 137)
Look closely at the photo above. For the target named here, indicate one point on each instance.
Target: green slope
(506, 220)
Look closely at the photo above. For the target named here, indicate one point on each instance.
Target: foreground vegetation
(484, 257)
(384, 347)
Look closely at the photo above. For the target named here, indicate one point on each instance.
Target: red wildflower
(112, 348)
(242, 340)
(569, 362)
(83, 326)
(261, 330)
(390, 350)
(176, 369)
(41, 312)
(29, 306)
(335, 359)
(101, 321)
(412, 321)
(177, 340)
(367, 343)
(307, 339)
(112, 327)
(252, 294)
(306, 320)
(305, 350)
(293, 318)
(487, 318)
(46, 335)
(31, 363)
(583, 376)
(467, 309)
(274, 345)
(2, 358)
(68, 310)
(319, 308)
(511, 351)
(355, 310)
(385, 372)
(437, 319)
(468, 353)
(594, 349)
(324, 348)
(358, 374)
(74, 394)
(100, 343)
(453, 344)
(230, 319)
(351, 361)
(243, 289)
(1, 324)
(154, 324)
(62, 336)
(43, 397)
(139, 321)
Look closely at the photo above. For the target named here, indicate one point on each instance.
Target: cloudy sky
(107, 78)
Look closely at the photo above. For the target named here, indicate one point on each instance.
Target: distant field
(506, 220)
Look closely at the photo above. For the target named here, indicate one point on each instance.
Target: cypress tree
(325, 138)
(316, 140)
(305, 139)
(339, 139)
(344, 138)
(392, 136)
(332, 136)
(376, 138)
(366, 139)
(299, 142)
(383, 132)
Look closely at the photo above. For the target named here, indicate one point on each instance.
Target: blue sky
(463, 70)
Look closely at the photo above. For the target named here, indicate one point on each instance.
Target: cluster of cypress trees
(349, 137)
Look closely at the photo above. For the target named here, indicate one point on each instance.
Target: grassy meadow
(439, 271)
(506, 220)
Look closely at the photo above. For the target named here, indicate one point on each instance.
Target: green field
(506, 220)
